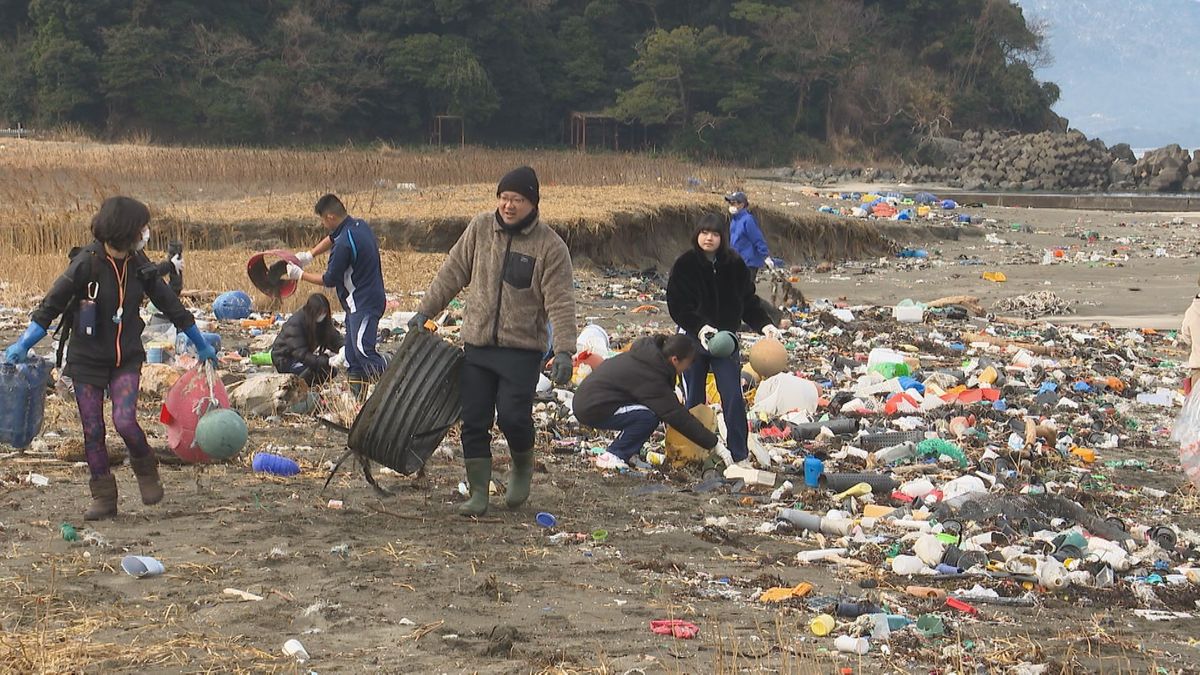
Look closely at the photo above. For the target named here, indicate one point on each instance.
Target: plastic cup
(546, 519)
(822, 625)
(296, 650)
(141, 566)
(600, 536)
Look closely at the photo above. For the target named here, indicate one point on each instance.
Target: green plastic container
(261, 359)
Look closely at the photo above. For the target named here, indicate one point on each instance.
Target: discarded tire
(412, 407)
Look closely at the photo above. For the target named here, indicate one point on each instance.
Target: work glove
(772, 332)
(18, 352)
(177, 261)
(338, 360)
(706, 334)
(304, 259)
(417, 322)
(561, 368)
(204, 351)
(770, 262)
(294, 272)
(723, 452)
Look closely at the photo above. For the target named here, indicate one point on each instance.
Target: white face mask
(733, 209)
(141, 244)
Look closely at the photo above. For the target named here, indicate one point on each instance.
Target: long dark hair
(713, 222)
(316, 305)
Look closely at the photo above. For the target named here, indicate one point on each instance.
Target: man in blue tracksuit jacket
(744, 235)
(355, 272)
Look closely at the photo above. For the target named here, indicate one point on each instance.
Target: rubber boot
(359, 389)
(519, 478)
(479, 479)
(104, 498)
(146, 470)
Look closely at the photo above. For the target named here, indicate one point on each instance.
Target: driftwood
(1040, 350)
(970, 302)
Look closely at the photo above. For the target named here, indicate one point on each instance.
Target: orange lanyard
(119, 315)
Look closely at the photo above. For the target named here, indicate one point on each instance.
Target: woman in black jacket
(711, 290)
(101, 295)
(307, 342)
(631, 392)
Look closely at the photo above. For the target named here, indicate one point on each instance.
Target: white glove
(772, 332)
(338, 360)
(770, 262)
(294, 272)
(305, 258)
(178, 263)
(723, 452)
(706, 334)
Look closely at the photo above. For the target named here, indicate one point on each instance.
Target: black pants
(497, 384)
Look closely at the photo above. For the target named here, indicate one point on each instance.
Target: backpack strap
(63, 332)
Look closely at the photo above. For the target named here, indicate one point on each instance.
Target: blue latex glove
(16, 353)
(204, 351)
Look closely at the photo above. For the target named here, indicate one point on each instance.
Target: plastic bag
(1187, 433)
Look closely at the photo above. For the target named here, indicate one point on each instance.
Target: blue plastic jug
(22, 401)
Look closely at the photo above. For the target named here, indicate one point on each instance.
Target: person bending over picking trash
(632, 392)
(99, 297)
(519, 273)
(354, 271)
(309, 344)
(710, 290)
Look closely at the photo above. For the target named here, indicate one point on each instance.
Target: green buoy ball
(722, 344)
(221, 433)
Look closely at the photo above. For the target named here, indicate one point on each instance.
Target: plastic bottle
(802, 520)
(929, 549)
(265, 462)
(848, 644)
(907, 565)
(896, 453)
(917, 488)
(852, 609)
(1052, 574)
(819, 554)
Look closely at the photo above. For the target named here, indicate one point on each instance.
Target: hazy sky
(1129, 69)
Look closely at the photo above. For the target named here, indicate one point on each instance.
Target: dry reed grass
(53, 188)
(46, 631)
(23, 284)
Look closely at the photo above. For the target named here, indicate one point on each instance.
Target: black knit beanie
(522, 181)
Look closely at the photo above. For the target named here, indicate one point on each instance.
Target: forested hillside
(750, 80)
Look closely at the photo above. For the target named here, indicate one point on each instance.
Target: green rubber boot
(479, 479)
(519, 478)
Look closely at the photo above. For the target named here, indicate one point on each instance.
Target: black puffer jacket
(640, 376)
(720, 294)
(115, 347)
(291, 346)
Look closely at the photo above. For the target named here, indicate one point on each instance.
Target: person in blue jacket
(354, 271)
(745, 237)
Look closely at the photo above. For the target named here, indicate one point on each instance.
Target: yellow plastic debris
(780, 593)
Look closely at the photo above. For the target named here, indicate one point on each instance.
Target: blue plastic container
(814, 468)
(22, 401)
(232, 306)
(265, 462)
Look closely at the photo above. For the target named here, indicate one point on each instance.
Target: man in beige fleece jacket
(519, 275)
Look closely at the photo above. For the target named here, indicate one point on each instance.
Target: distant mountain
(1129, 69)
